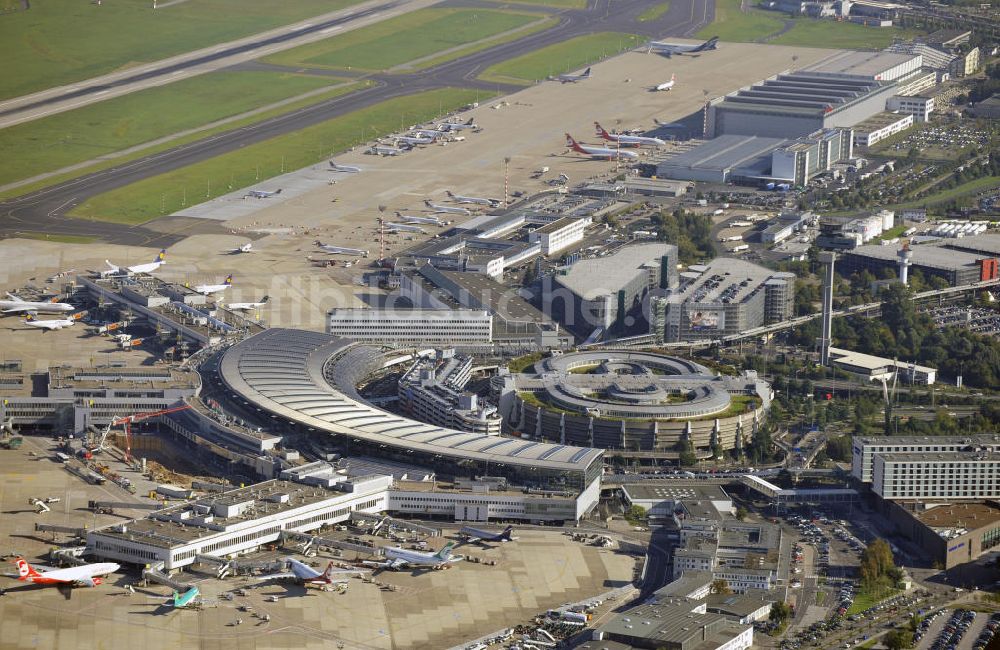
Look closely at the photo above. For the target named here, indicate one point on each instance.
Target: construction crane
(128, 420)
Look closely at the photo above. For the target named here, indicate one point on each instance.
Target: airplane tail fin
(328, 573)
(445, 552)
(450, 195)
(711, 43)
(470, 121)
(586, 73)
(25, 570)
(277, 191)
(600, 130)
(572, 144)
(161, 255)
(506, 533)
(673, 78)
(29, 317)
(264, 299)
(229, 280)
(176, 598)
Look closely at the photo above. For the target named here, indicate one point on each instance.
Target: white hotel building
(865, 448)
(961, 476)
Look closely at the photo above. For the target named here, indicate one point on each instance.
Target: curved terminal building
(634, 401)
(306, 383)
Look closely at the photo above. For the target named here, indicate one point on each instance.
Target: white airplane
(246, 306)
(382, 150)
(341, 250)
(306, 575)
(47, 325)
(414, 140)
(215, 288)
(344, 168)
(627, 140)
(87, 575)
(399, 558)
(599, 152)
(157, 262)
(245, 248)
(493, 203)
(669, 49)
(458, 126)
(17, 305)
(667, 85)
(261, 194)
(402, 227)
(475, 535)
(412, 218)
(447, 208)
(571, 78)
(431, 133)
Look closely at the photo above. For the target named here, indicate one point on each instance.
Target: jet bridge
(310, 541)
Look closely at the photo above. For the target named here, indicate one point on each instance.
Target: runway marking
(330, 29)
(61, 206)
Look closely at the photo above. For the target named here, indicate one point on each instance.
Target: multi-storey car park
(305, 383)
(634, 401)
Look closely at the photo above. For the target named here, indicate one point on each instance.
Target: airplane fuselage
(16, 306)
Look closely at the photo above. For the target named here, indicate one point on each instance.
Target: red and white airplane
(599, 152)
(628, 140)
(87, 575)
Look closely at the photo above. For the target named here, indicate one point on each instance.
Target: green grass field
(84, 133)
(864, 600)
(809, 32)
(166, 193)
(61, 41)
(560, 4)
(572, 54)
(732, 24)
(62, 239)
(965, 189)
(399, 40)
(654, 12)
(185, 139)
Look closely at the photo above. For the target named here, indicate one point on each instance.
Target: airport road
(44, 210)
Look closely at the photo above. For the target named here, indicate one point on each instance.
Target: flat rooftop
(723, 280)
(597, 277)
(983, 439)
(555, 226)
(880, 121)
(112, 377)
(960, 515)
(943, 457)
(500, 300)
(861, 64)
(929, 255)
(871, 362)
(985, 244)
(726, 152)
(674, 492)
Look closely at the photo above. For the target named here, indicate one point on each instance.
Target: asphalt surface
(45, 210)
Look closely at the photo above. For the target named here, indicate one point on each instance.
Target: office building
(917, 106)
(554, 237)
(875, 368)
(634, 401)
(409, 327)
(675, 624)
(602, 293)
(881, 126)
(432, 390)
(954, 263)
(949, 534)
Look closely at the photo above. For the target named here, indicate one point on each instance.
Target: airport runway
(45, 209)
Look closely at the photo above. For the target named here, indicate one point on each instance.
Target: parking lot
(976, 319)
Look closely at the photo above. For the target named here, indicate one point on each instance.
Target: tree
(721, 586)
(635, 513)
(780, 612)
(898, 639)
(741, 513)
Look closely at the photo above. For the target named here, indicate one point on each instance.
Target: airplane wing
(397, 564)
(276, 576)
(15, 298)
(86, 582)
